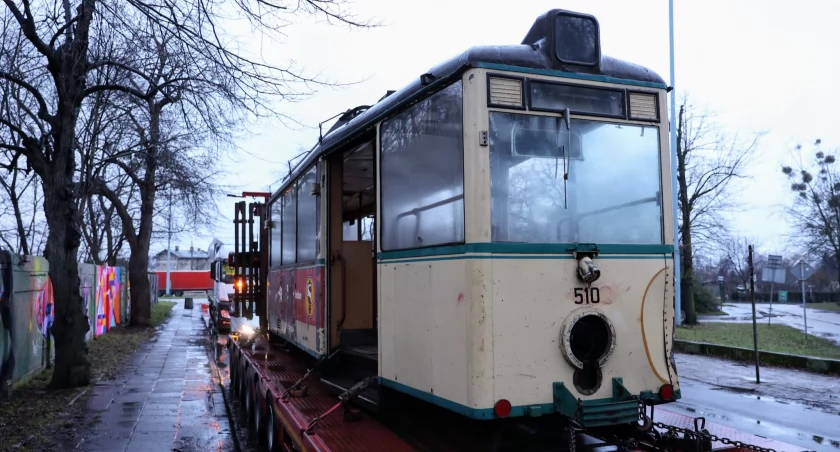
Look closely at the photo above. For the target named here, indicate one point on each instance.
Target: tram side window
(307, 211)
(276, 236)
(422, 165)
(289, 220)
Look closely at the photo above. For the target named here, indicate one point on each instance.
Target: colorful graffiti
(27, 311)
(44, 314)
(107, 298)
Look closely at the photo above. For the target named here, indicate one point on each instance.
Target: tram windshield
(606, 189)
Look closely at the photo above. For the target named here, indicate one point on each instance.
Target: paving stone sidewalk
(167, 399)
(816, 390)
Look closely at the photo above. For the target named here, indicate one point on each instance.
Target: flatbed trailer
(277, 382)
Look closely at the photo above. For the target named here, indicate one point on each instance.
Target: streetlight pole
(674, 186)
(169, 249)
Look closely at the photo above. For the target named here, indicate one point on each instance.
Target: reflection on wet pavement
(782, 420)
(168, 397)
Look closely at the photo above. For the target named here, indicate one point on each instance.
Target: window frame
(292, 186)
(381, 227)
(278, 201)
(584, 117)
(299, 183)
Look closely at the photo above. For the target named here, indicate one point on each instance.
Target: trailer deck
(408, 424)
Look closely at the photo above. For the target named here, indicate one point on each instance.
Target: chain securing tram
(699, 439)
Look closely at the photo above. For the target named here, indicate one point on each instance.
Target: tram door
(351, 258)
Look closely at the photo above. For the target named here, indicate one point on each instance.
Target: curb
(807, 363)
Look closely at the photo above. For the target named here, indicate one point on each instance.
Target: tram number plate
(584, 295)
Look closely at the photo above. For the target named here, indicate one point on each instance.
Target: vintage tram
(494, 239)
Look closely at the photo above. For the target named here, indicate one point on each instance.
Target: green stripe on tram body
(489, 250)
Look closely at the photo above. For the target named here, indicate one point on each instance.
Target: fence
(26, 311)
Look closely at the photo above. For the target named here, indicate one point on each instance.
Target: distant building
(192, 259)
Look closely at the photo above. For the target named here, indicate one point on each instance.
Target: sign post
(755, 326)
(803, 271)
(773, 273)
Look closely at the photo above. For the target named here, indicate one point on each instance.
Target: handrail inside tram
(581, 216)
(416, 211)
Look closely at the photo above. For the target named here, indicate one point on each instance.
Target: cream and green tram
(495, 238)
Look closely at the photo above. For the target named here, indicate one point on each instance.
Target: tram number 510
(587, 295)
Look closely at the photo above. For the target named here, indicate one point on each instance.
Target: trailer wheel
(243, 388)
(270, 434)
(260, 417)
(249, 402)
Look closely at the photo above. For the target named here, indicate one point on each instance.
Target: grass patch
(38, 419)
(161, 311)
(713, 313)
(825, 306)
(771, 338)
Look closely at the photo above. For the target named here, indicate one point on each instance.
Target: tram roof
(535, 56)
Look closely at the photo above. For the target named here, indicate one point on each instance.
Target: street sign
(773, 275)
(802, 271)
(773, 272)
(783, 296)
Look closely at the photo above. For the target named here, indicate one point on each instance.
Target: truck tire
(260, 415)
(250, 410)
(271, 437)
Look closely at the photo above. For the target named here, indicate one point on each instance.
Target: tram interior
(353, 263)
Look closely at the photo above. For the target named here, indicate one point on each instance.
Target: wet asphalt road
(785, 421)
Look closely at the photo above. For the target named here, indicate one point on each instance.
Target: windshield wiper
(566, 158)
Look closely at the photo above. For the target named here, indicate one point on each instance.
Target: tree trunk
(70, 326)
(686, 255)
(138, 269)
(687, 276)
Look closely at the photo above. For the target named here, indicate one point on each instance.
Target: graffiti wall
(25, 343)
(108, 295)
(27, 314)
(87, 287)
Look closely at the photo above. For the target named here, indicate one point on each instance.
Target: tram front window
(612, 194)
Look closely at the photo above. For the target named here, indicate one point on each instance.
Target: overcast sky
(761, 65)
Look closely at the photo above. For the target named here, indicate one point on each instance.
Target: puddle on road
(831, 442)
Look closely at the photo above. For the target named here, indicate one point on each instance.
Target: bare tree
(815, 212)
(735, 253)
(21, 222)
(707, 163)
(54, 72)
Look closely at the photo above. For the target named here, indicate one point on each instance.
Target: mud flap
(621, 408)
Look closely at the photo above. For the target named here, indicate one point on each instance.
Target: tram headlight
(576, 39)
